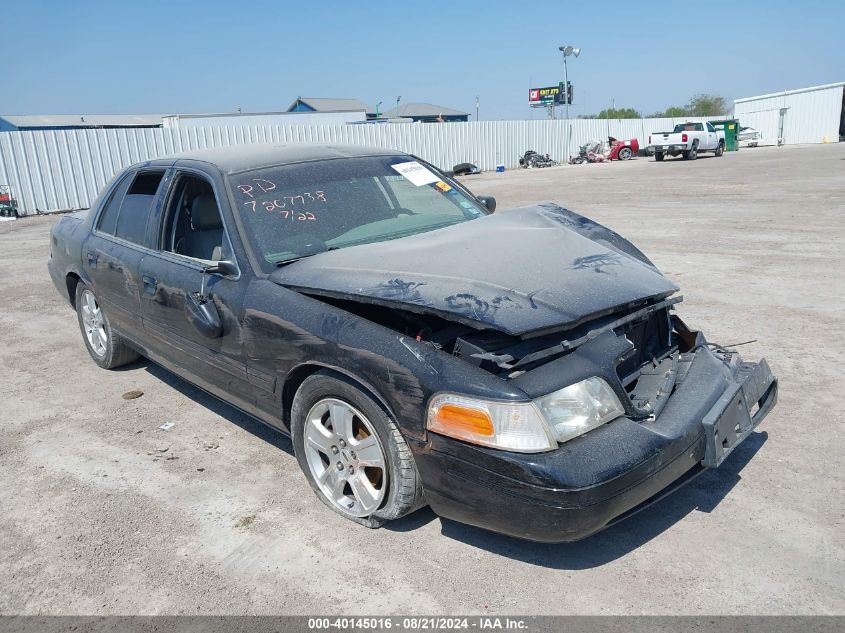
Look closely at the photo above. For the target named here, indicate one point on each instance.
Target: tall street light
(567, 51)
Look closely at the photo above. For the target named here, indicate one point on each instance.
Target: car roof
(236, 158)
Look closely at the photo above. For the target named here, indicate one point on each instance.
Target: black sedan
(522, 371)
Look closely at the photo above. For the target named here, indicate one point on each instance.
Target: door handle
(92, 259)
(150, 283)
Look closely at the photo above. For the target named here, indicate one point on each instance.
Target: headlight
(574, 410)
(525, 427)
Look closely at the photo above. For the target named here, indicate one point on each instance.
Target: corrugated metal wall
(65, 169)
(811, 116)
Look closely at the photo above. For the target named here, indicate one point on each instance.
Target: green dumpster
(731, 129)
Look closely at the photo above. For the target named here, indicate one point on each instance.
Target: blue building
(317, 104)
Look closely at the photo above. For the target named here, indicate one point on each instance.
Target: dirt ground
(103, 513)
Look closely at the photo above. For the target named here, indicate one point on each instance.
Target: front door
(192, 238)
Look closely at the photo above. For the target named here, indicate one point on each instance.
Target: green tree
(614, 113)
(619, 113)
(674, 112)
(706, 105)
(699, 105)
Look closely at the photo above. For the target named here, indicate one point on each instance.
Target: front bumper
(595, 479)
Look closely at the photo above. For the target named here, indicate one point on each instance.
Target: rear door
(191, 237)
(112, 254)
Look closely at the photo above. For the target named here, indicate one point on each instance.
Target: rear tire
(658, 156)
(692, 154)
(106, 347)
(333, 422)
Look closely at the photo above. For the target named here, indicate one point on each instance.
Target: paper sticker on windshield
(416, 173)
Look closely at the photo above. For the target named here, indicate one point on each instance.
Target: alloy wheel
(345, 457)
(94, 323)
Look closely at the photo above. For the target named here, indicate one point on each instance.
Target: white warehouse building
(807, 115)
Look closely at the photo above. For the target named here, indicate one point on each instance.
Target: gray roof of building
(321, 104)
(236, 158)
(82, 120)
(422, 109)
(785, 93)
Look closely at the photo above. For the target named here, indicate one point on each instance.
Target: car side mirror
(489, 202)
(223, 267)
(200, 309)
(203, 316)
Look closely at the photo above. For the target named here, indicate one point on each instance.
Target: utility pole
(477, 118)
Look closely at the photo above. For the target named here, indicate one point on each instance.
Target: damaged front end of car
(609, 399)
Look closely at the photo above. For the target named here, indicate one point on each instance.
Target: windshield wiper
(285, 262)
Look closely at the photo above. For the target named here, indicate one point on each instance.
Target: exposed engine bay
(657, 355)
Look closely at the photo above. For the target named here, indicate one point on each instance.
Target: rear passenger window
(136, 207)
(108, 218)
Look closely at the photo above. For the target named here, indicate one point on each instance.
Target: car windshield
(293, 211)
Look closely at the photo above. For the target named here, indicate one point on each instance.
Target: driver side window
(710, 128)
(194, 227)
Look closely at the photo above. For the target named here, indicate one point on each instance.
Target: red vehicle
(623, 150)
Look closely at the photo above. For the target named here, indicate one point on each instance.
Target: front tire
(351, 452)
(106, 347)
(625, 153)
(720, 149)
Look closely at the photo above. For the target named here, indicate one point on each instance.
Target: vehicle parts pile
(533, 159)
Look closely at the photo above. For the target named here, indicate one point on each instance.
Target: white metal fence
(65, 169)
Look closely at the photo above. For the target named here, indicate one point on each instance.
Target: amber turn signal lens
(453, 417)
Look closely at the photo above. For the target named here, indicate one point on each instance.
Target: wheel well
(299, 374)
(72, 280)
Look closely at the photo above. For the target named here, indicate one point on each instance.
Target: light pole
(398, 99)
(567, 51)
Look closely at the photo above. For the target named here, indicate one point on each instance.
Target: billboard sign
(544, 96)
(551, 95)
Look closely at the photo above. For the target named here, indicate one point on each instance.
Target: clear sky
(151, 56)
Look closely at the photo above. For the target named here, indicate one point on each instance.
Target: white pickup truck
(687, 140)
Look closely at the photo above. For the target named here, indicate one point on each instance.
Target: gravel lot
(102, 513)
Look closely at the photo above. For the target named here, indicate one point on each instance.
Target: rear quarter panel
(66, 238)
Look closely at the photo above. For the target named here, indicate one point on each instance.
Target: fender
(309, 367)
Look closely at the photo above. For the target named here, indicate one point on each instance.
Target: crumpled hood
(524, 270)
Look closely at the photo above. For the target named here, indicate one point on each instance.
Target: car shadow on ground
(702, 494)
(215, 405)
(681, 159)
